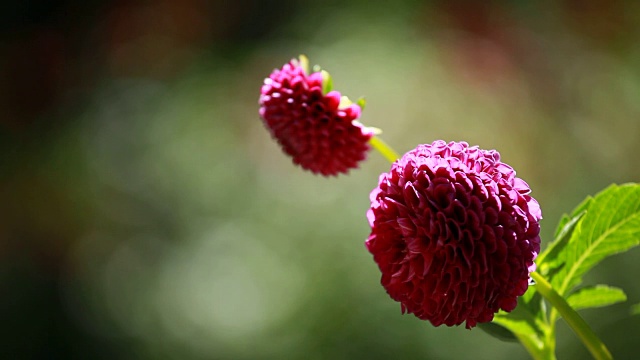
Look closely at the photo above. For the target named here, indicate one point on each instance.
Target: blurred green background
(146, 213)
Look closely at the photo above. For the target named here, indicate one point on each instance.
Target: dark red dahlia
(314, 125)
(454, 233)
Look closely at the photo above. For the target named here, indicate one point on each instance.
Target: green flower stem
(575, 321)
(384, 149)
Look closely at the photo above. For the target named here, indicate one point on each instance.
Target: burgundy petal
(464, 236)
(309, 125)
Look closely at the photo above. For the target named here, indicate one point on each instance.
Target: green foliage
(327, 82)
(526, 320)
(601, 226)
(596, 296)
(635, 309)
(522, 319)
(498, 331)
(610, 225)
(549, 260)
(362, 102)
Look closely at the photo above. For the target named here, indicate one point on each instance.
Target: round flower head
(454, 233)
(314, 125)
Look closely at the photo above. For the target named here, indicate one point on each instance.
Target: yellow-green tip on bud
(344, 102)
(304, 63)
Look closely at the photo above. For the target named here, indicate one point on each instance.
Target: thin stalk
(597, 348)
(384, 149)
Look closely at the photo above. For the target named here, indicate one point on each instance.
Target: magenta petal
(308, 125)
(462, 218)
(333, 100)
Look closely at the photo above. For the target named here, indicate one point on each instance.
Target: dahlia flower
(317, 127)
(454, 233)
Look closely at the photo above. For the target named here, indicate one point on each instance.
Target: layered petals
(454, 232)
(319, 131)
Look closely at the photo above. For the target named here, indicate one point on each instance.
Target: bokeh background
(146, 214)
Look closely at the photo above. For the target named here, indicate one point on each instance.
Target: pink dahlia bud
(454, 233)
(315, 126)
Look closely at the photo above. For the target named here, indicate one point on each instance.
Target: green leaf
(635, 309)
(527, 323)
(534, 303)
(527, 318)
(596, 296)
(610, 225)
(361, 102)
(584, 205)
(518, 325)
(549, 259)
(563, 222)
(498, 331)
(327, 82)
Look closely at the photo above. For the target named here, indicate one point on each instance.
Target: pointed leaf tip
(362, 102)
(304, 63)
(551, 257)
(327, 82)
(498, 331)
(596, 296)
(344, 102)
(635, 309)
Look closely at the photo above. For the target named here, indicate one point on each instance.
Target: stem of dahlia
(384, 149)
(574, 320)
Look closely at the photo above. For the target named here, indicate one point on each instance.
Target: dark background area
(146, 213)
